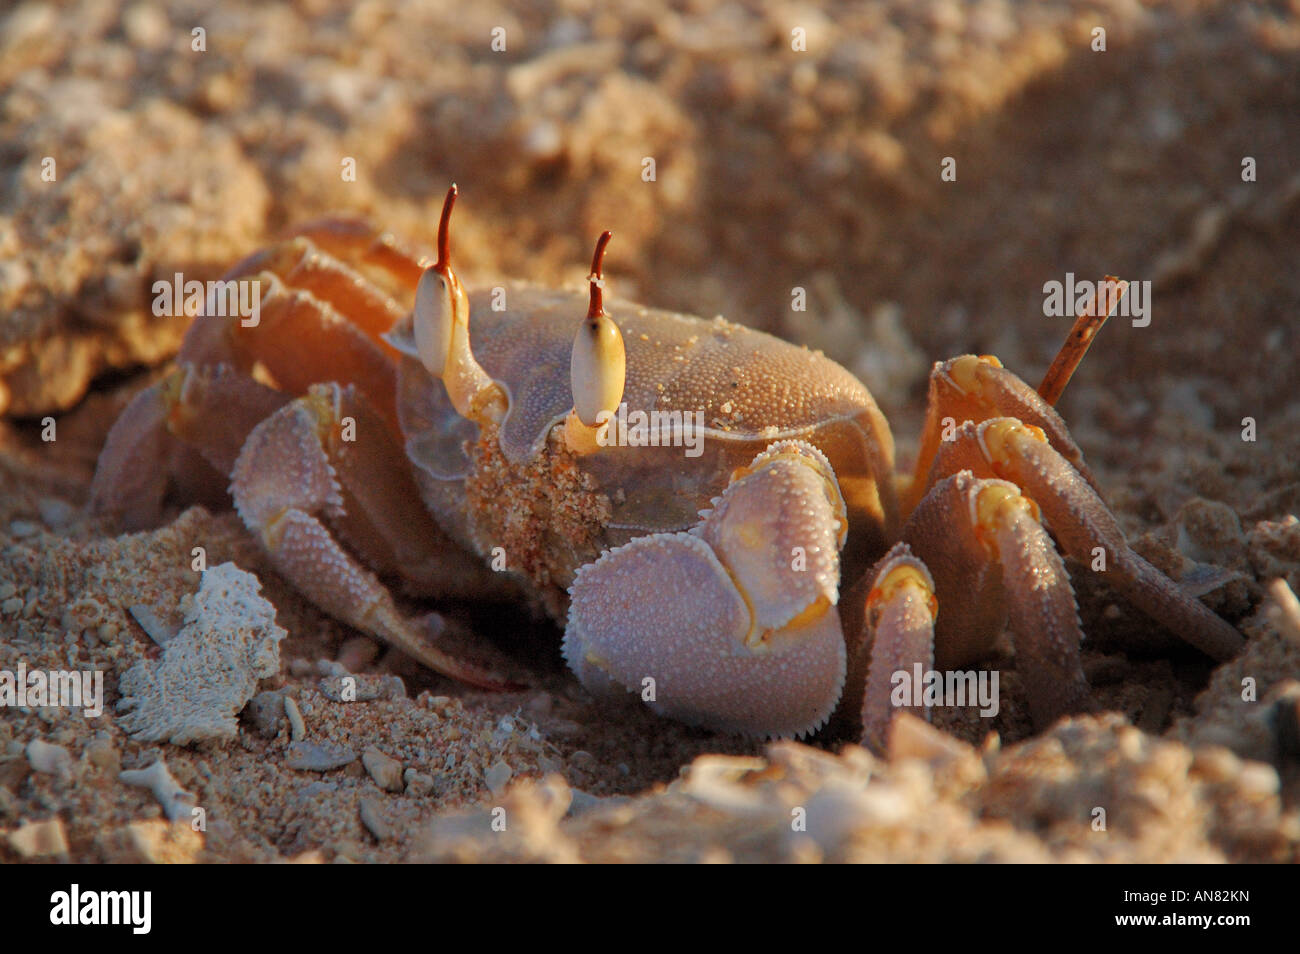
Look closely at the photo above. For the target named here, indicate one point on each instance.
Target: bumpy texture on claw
(731, 626)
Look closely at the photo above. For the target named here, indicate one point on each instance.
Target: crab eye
(598, 366)
(597, 369)
(433, 322)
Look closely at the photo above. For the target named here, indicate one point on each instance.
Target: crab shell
(752, 389)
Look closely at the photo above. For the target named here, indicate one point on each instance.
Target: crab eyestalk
(441, 328)
(597, 367)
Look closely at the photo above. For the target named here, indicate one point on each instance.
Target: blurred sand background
(775, 168)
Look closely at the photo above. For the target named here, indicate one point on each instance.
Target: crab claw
(731, 626)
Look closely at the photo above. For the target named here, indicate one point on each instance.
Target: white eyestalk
(597, 368)
(441, 328)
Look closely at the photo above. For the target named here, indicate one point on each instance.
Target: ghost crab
(361, 437)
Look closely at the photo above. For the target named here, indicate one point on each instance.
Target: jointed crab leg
(297, 471)
(352, 241)
(970, 388)
(901, 610)
(993, 563)
(301, 264)
(209, 409)
(1081, 522)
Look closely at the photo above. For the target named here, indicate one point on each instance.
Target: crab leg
(731, 625)
(901, 611)
(1081, 522)
(302, 339)
(296, 472)
(966, 527)
(211, 409)
(970, 388)
(353, 241)
(300, 264)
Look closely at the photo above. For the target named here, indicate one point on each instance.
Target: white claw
(731, 626)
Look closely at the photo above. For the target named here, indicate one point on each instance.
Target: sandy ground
(775, 168)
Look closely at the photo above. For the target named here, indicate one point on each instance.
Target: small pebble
(498, 775)
(417, 783)
(297, 727)
(103, 755)
(313, 757)
(265, 711)
(158, 842)
(301, 667)
(39, 839)
(384, 769)
(23, 528)
(50, 759)
(372, 818)
(7, 589)
(11, 606)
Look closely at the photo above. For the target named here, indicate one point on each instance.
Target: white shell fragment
(297, 726)
(175, 801)
(209, 671)
(50, 759)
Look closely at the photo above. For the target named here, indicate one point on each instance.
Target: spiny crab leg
(287, 483)
(1080, 339)
(1081, 522)
(441, 326)
(901, 610)
(719, 624)
(964, 527)
(597, 367)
